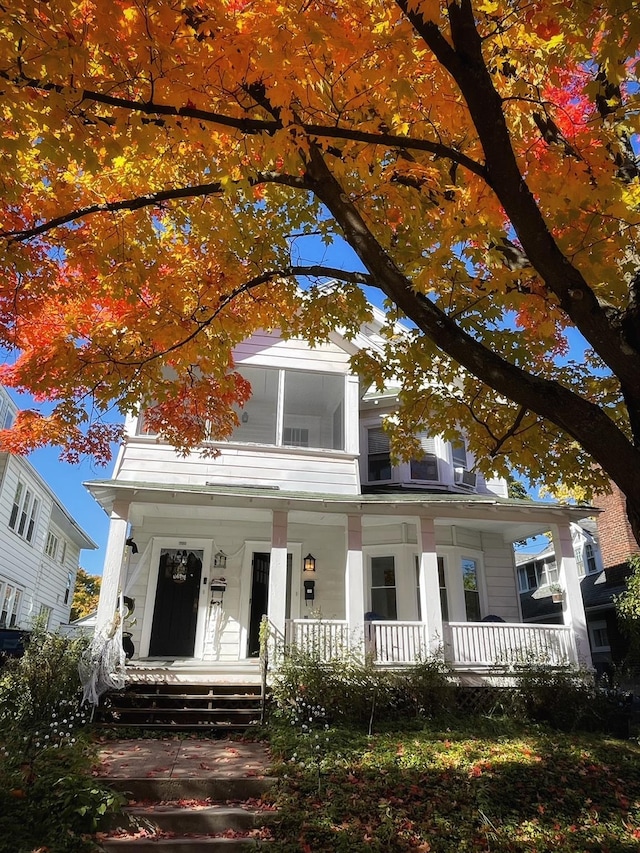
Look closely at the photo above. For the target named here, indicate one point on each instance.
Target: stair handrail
(271, 638)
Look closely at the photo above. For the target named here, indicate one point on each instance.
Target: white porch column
(113, 563)
(278, 571)
(354, 583)
(430, 585)
(572, 605)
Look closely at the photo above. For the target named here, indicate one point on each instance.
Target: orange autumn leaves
(154, 169)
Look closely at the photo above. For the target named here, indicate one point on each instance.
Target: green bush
(47, 796)
(356, 693)
(562, 697)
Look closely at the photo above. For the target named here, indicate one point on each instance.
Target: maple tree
(165, 165)
(85, 594)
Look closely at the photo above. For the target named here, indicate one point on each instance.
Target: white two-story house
(304, 518)
(40, 544)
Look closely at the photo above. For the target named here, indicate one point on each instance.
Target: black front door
(260, 597)
(259, 600)
(175, 613)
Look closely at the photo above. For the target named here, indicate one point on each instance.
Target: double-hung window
(10, 599)
(51, 548)
(24, 512)
(424, 468)
(378, 455)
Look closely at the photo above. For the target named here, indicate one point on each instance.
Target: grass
(482, 786)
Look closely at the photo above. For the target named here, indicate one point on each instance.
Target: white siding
(304, 470)
(269, 350)
(500, 578)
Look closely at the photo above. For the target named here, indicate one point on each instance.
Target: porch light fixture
(245, 418)
(220, 560)
(309, 563)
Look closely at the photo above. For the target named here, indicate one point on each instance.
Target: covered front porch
(394, 578)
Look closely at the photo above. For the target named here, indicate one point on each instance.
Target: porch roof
(524, 518)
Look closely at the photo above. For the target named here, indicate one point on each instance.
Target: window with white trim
(383, 587)
(10, 600)
(378, 455)
(63, 551)
(590, 560)
(459, 454)
(24, 512)
(424, 468)
(471, 589)
(51, 547)
(68, 587)
(44, 615)
(537, 573)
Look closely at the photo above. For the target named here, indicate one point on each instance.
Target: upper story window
(461, 464)
(68, 587)
(379, 468)
(51, 547)
(590, 561)
(537, 573)
(378, 455)
(24, 512)
(7, 415)
(425, 467)
(63, 551)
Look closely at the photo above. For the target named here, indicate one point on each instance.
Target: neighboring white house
(303, 517)
(40, 543)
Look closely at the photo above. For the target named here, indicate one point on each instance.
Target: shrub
(563, 697)
(356, 693)
(47, 796)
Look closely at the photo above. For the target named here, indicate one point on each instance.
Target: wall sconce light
(220, 560)
(218, 587)
(131, 544)
(309, 563)
(245, 418)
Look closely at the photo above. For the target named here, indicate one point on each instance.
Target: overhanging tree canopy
(163, 161)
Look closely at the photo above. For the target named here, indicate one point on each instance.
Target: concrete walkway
(174, 758)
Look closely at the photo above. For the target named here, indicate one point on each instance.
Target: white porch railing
(322, 638)
(396, 642)
(467, 645)
(495, 644)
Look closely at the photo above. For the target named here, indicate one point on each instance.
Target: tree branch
(149, 200)
(314, 270)
(602, 326)
(578, 417)
(257, 126)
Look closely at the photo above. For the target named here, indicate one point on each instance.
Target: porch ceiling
(511, 519)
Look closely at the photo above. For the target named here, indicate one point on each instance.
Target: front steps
(190, 827)
(188, 796)
(182, 707)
